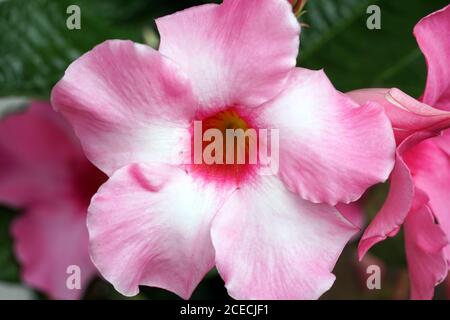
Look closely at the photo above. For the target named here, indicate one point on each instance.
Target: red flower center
(224, 147)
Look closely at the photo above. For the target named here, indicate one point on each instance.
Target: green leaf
(355, 57)
(9, 269)
(36, 46)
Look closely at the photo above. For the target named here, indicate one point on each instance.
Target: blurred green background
(36, 47)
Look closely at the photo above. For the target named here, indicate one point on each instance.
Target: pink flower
(420, 181)
(160, 223)
(44, 172)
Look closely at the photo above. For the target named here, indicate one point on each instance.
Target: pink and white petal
(399, 202)
(433, 36)
(425, 243)
(48, 239)
(150, 225)
(127, 103)
(272, 244)
(223, 47)
(36, 145)
(407, 115)
(331, 149)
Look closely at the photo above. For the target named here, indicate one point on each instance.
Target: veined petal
(236, 53)
(433, 36)
(150, 225)
(127, 103)
(331, 149)
(272, 244)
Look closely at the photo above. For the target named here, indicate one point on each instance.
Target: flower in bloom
(44, 172)
(165, 223)
(420, 182)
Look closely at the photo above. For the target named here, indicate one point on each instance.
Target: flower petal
(331, 149)
(388, 220)
(399, 202)
(44, 172)
(236, 53)
(37, 153)
(425, 244)
(127, 104)
(272, 244)
(443, 142)
(353, 212)
(150, 226)
(406, 114)
(48, 238)
(433, 36)
(430, 167)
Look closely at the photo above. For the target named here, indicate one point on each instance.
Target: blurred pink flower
(420, 182)
(44, 172)
(159, 223)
